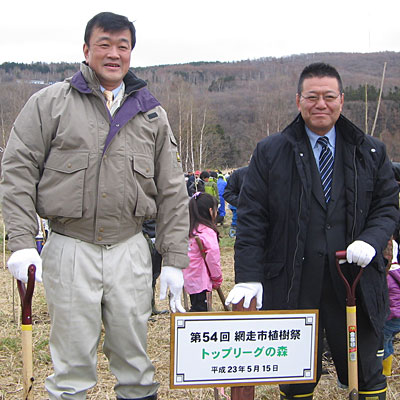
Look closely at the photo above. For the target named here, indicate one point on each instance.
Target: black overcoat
(274, 210)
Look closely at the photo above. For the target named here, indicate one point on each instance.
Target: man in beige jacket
(96, 169)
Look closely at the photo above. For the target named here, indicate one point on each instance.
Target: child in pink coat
(392, 324)
(202, 276)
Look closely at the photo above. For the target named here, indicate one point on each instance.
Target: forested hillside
(218, 111)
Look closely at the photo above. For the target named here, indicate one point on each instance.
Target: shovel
(26, 327)
(351, 320)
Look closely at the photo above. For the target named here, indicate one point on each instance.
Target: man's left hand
(172, 278)
(360, 253)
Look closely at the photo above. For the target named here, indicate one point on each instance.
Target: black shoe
(152, 397)
(154, 311)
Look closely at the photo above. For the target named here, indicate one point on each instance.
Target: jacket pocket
(143, 170)
(273, 269)
(275, 286)
(379, 263)
(60, 190)
(366, 197)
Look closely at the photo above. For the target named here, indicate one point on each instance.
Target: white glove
(360, 253)
(19, 262)
(172, 278)
(247, 291)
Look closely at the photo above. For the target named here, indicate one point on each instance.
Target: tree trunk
(201, 138)
(379, 101)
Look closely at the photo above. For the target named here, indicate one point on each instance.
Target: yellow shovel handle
(352, 351)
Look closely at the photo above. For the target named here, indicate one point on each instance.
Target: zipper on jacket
(297, 244)
(355, 194)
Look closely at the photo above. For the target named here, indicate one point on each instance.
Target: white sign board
(242, 348)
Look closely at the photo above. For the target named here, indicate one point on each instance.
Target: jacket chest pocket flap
(143, 168)
(60, 190)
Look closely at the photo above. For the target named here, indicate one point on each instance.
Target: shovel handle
(350, 290)
(26, 295)
(222, 298)
(351, 328)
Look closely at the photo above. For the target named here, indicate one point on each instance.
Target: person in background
(396, 171)
(213, 176)
(197, 185)
(42, 233)
(221, 184)
(95, 155)
(202, 276)
(231, 195)
(189, 181)
(319, 186)
(392, 324)
(149, 232)
(210, 186)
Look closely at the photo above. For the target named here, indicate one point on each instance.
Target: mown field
(159, 348)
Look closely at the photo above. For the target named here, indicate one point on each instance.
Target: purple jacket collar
(139, 100)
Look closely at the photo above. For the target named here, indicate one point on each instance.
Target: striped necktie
(325, 167)
(109, 97)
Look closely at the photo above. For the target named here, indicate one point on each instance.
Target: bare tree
(366, 108)
(190, 116)
(201, 138)
(379, 101)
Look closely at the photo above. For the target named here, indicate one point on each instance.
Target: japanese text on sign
(234, 348)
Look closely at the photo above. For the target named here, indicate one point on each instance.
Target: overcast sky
(180, 31)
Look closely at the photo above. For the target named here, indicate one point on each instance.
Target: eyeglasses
(328, 98)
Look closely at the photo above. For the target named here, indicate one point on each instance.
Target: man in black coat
(232, 190)
(291, 222)
(231, 195)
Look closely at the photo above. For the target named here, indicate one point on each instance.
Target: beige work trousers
(87, 285)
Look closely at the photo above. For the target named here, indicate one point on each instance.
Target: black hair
(204, 175)
(110, 22)
(319, 70)
(199, 212)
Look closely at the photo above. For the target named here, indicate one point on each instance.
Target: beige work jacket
(93, 176)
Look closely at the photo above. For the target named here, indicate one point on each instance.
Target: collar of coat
(137, 98)
(296, 132)
(86, 82)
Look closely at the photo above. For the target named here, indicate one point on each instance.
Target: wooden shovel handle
(351, 322)
(26, 295)
(222, 298)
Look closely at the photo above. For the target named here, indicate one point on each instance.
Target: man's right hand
(19, 262)
(247, 291)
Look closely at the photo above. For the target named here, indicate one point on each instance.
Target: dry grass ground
(10, 349)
